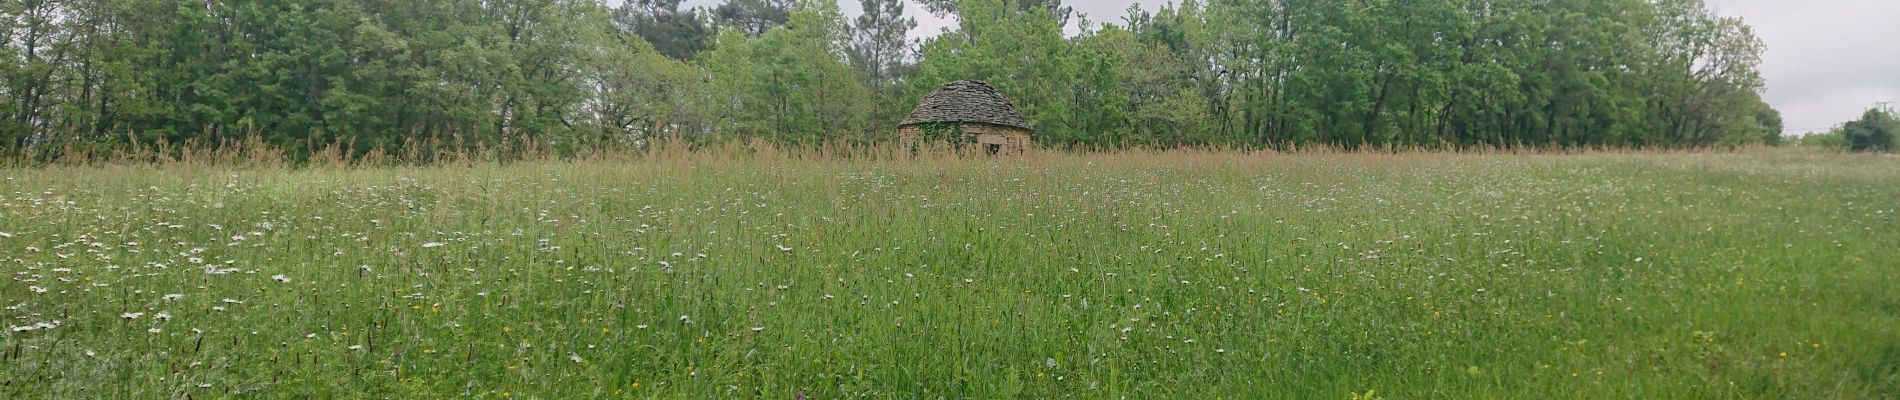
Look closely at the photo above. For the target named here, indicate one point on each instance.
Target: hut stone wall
(993, 139)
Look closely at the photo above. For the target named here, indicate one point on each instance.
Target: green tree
(1145, 92)
(1768, 121)
(38, 46)
(634, 91)
(881, 50)
(1876, 130)
(790, 84)
(880, 42)
(674, 32)
(1054, 7)
(753, 17)
(386, 74)
(1023, 54)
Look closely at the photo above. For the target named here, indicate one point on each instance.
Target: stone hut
(965, 113)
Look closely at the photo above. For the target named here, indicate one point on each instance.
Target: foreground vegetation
(1135, 275)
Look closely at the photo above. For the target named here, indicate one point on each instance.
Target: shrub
(1874, 131)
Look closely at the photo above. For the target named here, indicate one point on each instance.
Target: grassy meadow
(1194, 275)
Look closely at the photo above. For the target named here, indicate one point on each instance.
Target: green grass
(1137, 275)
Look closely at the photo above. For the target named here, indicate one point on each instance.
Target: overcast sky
(1827, 60)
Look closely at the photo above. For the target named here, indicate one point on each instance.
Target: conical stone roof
(967, 101)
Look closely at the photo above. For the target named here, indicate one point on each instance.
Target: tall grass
(753, 271)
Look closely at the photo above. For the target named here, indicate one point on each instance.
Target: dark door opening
(995, 148)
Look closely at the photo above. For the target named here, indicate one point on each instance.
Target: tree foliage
(674, 32)
(1054, 7)
(753, 17)
(790, 84)
(880, 41)
(383, 74)
(882, 52)
(1876, 130)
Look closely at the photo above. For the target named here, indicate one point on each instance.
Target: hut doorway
(994, 148)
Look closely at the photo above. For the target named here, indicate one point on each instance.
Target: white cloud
(1827, 60)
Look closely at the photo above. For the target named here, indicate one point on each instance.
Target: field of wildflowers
(1129, 275)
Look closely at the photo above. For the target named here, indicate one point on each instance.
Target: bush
(1874, 131)
(1833, 139)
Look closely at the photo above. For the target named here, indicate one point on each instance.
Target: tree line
(1877, 130)
(384, 74)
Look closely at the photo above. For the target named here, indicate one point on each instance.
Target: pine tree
(753, 17)
(880, 42)
(677, 33)
(1054, 7)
